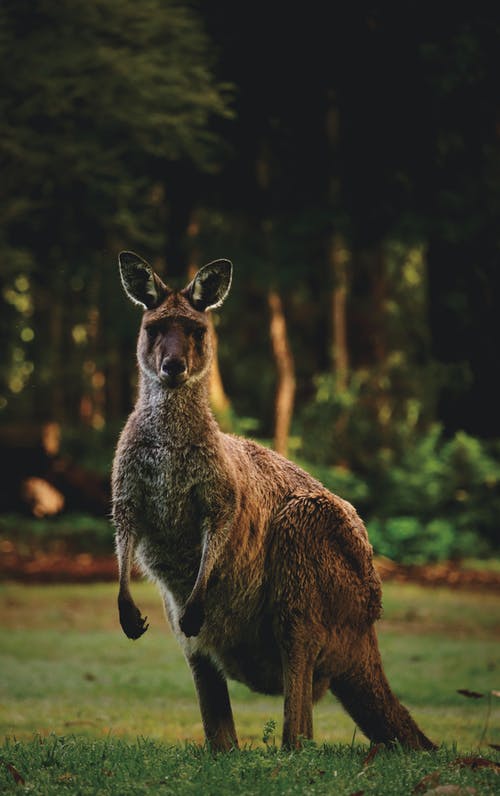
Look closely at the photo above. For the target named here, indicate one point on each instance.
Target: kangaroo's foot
(192, 617)
(133, 624)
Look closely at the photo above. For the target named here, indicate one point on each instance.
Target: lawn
(69, 676)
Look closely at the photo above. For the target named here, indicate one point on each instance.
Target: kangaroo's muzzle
(173, 371)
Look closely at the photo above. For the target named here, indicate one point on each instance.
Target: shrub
(457, 480)
(426, 496)
(410, 541)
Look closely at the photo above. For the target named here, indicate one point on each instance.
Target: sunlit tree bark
(285, 369)
(218, 397)
(338, 260)
(285, 388)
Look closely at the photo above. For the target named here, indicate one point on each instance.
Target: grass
(76, 696)
(83, 766)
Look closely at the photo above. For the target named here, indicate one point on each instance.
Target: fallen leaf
(18, 779)
(66, 777)
(495, 693)
(274, 773)
(471, 694)
(372, 753)
(430, 780)
(495, 746)
(357, 793)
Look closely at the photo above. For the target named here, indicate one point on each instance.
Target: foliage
(427, 497)
(99, 101)
(156, 94)
(351, 425)
(70, 532)
(457, 479)
(409, 541)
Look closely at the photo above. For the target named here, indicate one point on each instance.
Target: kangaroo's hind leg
(215, 705)
(298, 668)
(367, 697)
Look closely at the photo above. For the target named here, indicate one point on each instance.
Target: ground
(84, 710)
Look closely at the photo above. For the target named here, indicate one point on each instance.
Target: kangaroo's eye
(151, 332)
(199, 334)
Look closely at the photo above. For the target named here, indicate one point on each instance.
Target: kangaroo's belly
(254, 658)
(250, 656)
(259, 669)
(237, 632)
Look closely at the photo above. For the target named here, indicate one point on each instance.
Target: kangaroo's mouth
(173, 381)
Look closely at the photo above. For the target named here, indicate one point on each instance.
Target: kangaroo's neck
(177, 417)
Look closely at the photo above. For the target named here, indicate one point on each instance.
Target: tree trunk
(219, 401)
(218, 398)
(380, 295)
(338, 259)
(285, 387)
(285, 390)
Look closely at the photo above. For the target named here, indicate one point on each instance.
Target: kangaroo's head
(174, 346)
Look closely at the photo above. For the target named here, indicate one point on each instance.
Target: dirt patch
(448, 573)
(39, 566)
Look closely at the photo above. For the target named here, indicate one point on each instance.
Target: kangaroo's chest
(169, 489)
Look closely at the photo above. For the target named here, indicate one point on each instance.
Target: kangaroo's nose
(173, 366)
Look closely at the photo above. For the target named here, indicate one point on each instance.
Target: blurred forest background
(346, 159)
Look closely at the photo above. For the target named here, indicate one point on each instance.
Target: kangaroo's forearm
(131, 620)
(213, 545)
(125, 549)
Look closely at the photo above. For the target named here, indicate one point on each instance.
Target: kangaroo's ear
(210, 286)
(139, 281)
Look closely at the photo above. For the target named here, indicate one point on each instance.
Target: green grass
(71, 679)
(83, 766)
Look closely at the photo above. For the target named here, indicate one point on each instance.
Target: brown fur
(267, 577)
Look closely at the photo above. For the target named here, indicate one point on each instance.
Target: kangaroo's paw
(192, 618)
(133, 624)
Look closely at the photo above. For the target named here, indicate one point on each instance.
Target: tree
(99, 100)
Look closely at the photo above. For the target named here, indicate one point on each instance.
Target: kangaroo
(266, 576)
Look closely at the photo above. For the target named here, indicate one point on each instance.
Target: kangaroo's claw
(133, 624)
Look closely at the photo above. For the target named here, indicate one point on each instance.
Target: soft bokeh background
(346, 160)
